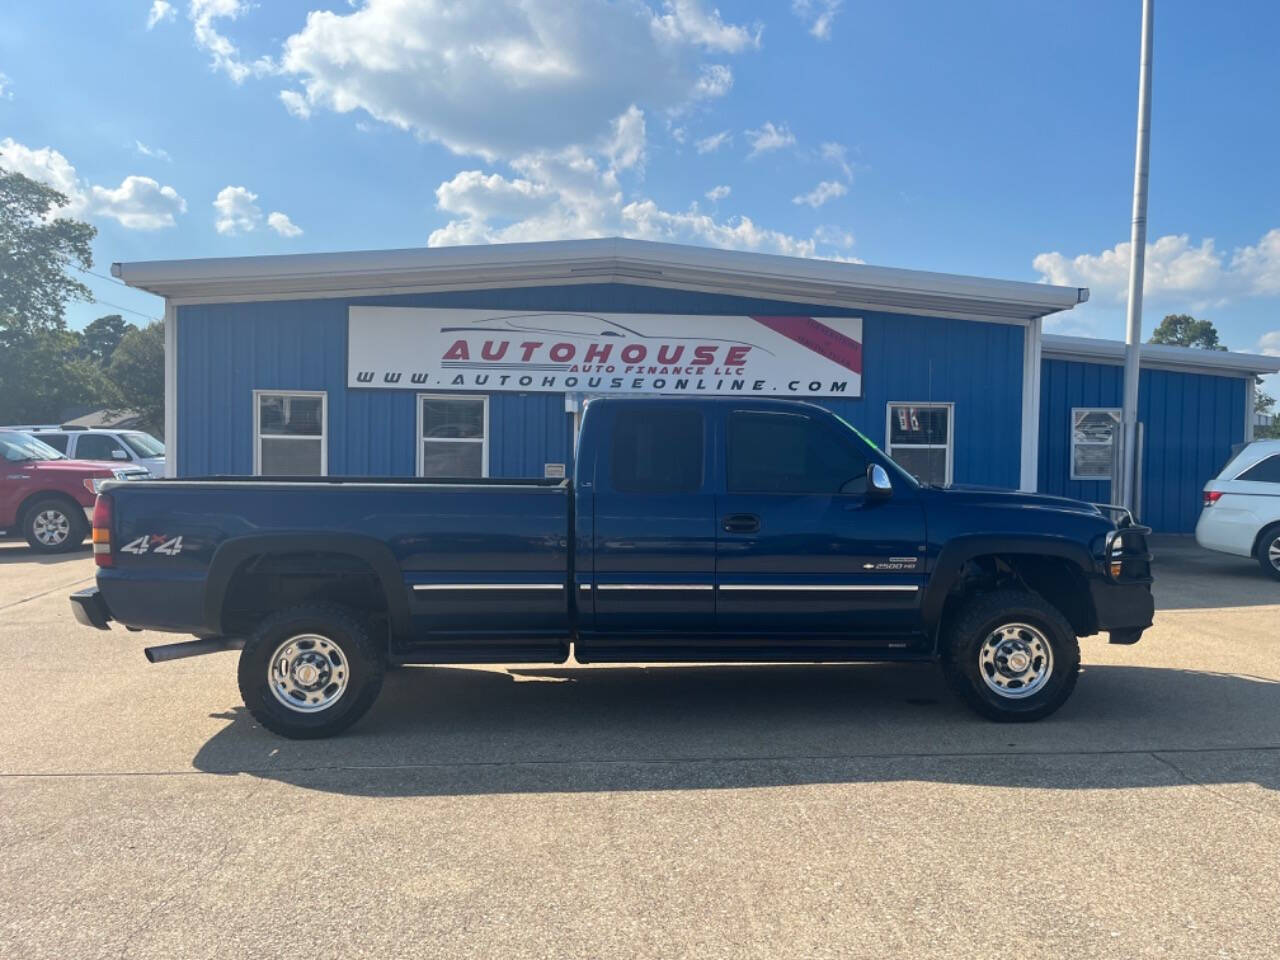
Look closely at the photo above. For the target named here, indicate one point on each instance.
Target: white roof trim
(1159, 355)
(611, 260)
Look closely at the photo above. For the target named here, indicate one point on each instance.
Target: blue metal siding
(1190, 423)
(225, 351)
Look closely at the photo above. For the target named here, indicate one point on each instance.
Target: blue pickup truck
(692, 530)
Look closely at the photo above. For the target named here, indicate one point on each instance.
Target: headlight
(94, 486)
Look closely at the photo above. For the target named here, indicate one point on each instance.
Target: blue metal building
(471, 361)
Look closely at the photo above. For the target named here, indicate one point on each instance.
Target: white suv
(1241, 512)
(112, 446)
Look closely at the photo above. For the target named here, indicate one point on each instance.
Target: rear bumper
(90, 609)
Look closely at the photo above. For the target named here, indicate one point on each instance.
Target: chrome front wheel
(1015, 660)
(51, 527)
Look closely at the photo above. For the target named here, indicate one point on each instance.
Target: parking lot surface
(756, 811)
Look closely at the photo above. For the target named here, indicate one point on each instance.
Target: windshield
(17, 447)
(143, 444)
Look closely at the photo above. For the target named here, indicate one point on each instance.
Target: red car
(47, 498)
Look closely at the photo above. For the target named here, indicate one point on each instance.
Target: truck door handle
(741, 523)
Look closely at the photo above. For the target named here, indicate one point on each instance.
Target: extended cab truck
(693, 530)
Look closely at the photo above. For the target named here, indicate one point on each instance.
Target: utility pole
(1137, 270)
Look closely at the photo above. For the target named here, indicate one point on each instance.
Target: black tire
(980, 618)
(42, 527)
(1268, 539)
(357, 654)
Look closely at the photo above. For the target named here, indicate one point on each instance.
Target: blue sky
(992, 138)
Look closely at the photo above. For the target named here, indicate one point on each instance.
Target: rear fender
(232, 553)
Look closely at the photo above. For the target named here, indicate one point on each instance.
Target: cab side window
(791, 453)
(99, 446)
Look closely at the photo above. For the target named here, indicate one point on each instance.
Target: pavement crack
(44, 593)
(1211, 789)
(654, 761)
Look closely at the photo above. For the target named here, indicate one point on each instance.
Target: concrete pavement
(776, 811)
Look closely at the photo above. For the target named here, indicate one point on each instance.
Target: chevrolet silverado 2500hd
(692, 530)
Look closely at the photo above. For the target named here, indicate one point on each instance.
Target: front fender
(959, 551)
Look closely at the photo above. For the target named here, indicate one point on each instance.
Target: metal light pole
(1137, 269)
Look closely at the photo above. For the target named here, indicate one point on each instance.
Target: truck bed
(460, 560)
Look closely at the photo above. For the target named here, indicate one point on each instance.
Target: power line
(116, 306)
(108, 303)
(101, 276)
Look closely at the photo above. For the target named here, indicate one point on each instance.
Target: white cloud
(237, 210)
(6, 87)
(161, 10)
(834, 236)
(155, 153)
(282, 225)
(295, 103)
(837, 153)
(139, 203)
(478, 196)
(225, 55)
(573, 193)
(715, 80)
(1258, 267)
(686, 20)
(626, 146)
(769, 137)
(714, 142)
(818, 14)
(507, 77)
(824, 191)
(718, 193)
(1269, 344)
(1175, 269)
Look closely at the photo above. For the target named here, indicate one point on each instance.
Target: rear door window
(1264, 471)
(56, 440)
(657, 451)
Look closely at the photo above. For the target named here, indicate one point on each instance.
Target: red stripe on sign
(818, 337)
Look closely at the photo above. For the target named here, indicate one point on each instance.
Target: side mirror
(878, 485)
(118, 454)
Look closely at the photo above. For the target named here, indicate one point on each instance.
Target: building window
(1093, 441)
(289, 433)
(453, 436)
(920, 440)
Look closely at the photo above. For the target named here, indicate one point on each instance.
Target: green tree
(137, 370)
(36, 251)
(100, 338)
(1265, 403)
(1184, 330)
(43, 372)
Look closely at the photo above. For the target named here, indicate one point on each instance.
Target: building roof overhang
(606, 260)
(1160, 356)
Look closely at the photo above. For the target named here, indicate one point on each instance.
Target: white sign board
(413, 348)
